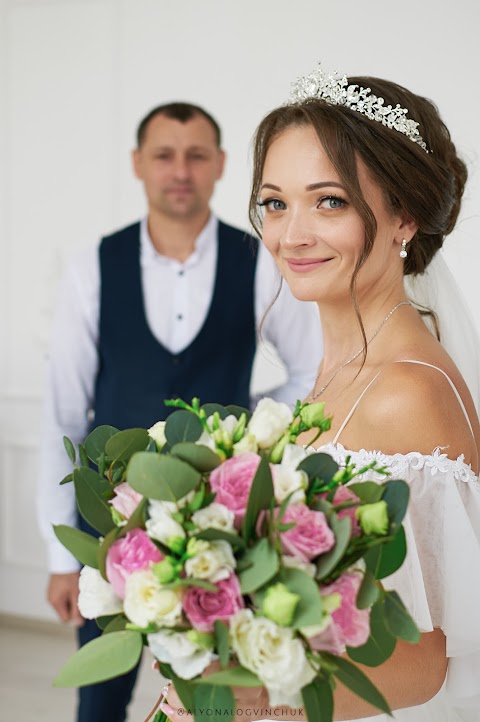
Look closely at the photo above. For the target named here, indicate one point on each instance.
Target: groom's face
(179, 164)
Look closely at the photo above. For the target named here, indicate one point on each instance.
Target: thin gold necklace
(314, 395)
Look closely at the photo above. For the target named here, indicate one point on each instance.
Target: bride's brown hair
(428, 187)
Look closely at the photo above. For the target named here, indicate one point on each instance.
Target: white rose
(214, 562)
(157, 433)
(274, 654)
(161, 525)
(269, 421)
(147, 602)
(295, 563)
(214, 516)
(96, 596)
(187, 659)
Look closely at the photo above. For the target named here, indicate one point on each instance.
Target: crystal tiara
(337, 91)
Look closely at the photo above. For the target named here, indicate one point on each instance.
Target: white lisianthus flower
(292, 562)
(214, 516)
(214, 562)
(157, 433)
(96, 596)
(286, 479)
(274, 654)
(269, 421)
(147, 602)
(187, 659)
(161, 525)
(246, 443)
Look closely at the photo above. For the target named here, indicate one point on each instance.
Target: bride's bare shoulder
(414, 407)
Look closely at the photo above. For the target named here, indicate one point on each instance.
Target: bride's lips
(302, 265)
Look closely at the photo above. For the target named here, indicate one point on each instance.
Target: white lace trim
(399, 464)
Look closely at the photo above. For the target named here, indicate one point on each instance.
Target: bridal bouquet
(223, 541)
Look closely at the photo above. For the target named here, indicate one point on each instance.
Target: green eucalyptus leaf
(90, 490)
(369, 591)
(319, 466)
(368, 491)
(83, 546)
(109, 539)
(380, 644)
(84, 460)
(235, 676)
(342, 528)
(70, 449)
(396, 494)
(235, 540)
(96, 440)
(259, 498)
(184, 688)
(264, 564)
(318, 700)
(67, 479)
(384, 559)
(117, 624)
(398, 620)
(161, 477)
(103, 658)
(222, 644)
(200, 457)
(182, 426)
(358, 682)
(211, 408)
(137, 519)
(218, 699)
(237, 411)
(124, 444)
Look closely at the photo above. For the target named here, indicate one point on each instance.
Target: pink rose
(133, 552)
(311, 534)
(350, 626)
(203, 607)
(126, 499)
(343, 494)
(232, 482)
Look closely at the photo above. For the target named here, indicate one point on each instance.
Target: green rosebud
(313, 415)
(196, 546)
(277, 451)
(176, 544)
(166, 571)
(239, 429)
(279, 604)
(201, 639)
(373, 518)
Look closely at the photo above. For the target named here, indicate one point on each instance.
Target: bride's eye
(272, 204)
(331, 203)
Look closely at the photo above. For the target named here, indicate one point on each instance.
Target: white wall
(75, 78)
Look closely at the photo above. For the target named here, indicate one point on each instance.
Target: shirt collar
(205, 239)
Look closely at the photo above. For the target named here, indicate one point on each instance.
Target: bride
(350, 197)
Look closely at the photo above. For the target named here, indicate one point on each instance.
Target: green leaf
(384, 559)
(182, 426)
(109, 539)
(70, 449)
(380, 644)
(263, 560)
(309, 610)
(124, 444)
(235, 676)
(200, 457)
(183, 687)
(117, 624)
(368, 491)
(358, 682)
(211, 408)
(89, 490)
(319, 466)
(235, 540)
(103, 658)
(96, 440)
(260, 497)
(161, 477)
(396, 495)
(398, 620)
(83, 546)
(83, 455)
(67, 479)
(318, 700)
(342, 530)
(222, 644)
(137, 519)
(216, 699)
(368, 592)
(237, 411)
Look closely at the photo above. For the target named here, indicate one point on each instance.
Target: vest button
(176, 360)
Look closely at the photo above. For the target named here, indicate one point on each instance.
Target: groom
(166, 307)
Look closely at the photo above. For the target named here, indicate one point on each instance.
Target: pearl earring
(403, 252)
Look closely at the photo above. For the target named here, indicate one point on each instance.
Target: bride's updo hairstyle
(427, 186)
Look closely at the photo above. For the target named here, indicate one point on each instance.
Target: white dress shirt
(177, 298)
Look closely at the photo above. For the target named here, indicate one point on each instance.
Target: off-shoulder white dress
(439, 581)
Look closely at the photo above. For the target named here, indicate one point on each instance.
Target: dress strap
(409, 361)
(352, 410)
(459, 398)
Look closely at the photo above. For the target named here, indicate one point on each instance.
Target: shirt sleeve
(71, 372)
(291, 326)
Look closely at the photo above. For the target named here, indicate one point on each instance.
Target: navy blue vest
(136, 372)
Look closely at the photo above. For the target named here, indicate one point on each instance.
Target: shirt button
(179, 317)
(181, 273)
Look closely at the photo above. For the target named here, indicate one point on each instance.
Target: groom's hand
(62, 594)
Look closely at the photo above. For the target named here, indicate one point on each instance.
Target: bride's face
(312, 230)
